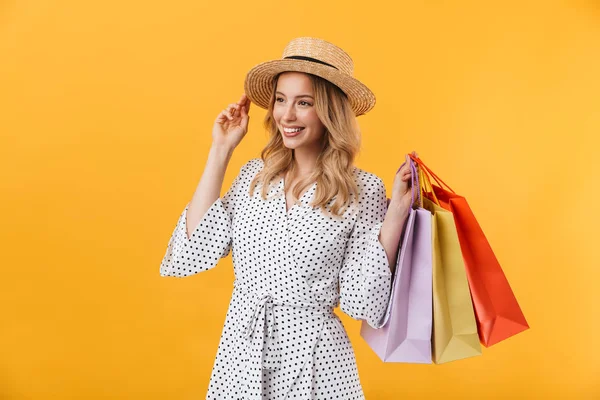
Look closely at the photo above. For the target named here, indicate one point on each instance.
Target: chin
(290, 145)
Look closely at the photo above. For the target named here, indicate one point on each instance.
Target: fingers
(405, 170)
(405, 173)
(244, 106)
(230, 111)
(222, 117)
(233, 108)
(227, 114)
(245, 103)
(241, 108)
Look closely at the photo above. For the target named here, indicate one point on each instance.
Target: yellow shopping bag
(454, 334)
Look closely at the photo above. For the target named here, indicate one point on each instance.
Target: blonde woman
(309, 231)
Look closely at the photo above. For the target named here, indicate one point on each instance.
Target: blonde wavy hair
(334, 172)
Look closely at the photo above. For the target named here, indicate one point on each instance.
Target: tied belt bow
(265, 337)
(264, 351)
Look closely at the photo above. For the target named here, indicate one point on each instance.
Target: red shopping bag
(497, 311)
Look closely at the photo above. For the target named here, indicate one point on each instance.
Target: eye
(278, 98)
(304, 103)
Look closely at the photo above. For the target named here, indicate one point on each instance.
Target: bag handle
(426, 184)
(415, 184)
(438, 180)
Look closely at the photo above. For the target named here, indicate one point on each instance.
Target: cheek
(313, 120)
(276, 114)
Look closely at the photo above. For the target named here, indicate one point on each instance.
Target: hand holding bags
(472, 300)
(406, 336)
(497, 312)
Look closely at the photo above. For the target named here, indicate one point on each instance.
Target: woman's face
(295, 113)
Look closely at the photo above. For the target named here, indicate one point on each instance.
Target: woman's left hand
(401, 192)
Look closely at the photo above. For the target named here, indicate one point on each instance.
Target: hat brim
(259, 82)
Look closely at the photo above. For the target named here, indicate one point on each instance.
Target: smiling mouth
(291, 132)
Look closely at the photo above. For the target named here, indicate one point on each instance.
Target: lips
(293, 132)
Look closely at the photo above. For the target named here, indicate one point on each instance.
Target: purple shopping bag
(406, 333)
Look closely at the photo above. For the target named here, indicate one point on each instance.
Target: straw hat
(312, 56)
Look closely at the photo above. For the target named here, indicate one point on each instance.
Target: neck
(305, 160)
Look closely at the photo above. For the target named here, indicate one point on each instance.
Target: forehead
(294, 83)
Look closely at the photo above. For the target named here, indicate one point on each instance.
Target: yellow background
(105, 123)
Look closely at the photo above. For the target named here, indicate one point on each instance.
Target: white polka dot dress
(281, 339)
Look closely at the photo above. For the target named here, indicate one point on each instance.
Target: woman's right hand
(231, 124)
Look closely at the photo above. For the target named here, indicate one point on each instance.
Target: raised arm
(229, 129)
(209, 187)
(203, 233)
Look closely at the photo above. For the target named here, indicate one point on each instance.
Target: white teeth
(288, 130)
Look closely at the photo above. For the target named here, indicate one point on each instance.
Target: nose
(290, 113)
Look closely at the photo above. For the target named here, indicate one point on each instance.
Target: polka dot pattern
(281, 338)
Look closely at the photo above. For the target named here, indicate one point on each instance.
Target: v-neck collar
(304, 200)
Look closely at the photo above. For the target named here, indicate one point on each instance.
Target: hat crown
(320, 50)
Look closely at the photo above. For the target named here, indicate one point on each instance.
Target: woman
(308, 230)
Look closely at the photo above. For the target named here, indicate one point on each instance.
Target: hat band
(309, 59)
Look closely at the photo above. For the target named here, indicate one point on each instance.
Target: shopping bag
(497, 311)
(454, 328)
(406, 334)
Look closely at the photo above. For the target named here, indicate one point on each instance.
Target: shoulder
(253, 163)
(251, 168)
(369, 185)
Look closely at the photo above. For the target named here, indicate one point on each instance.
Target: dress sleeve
(365, 276)
(212, 238)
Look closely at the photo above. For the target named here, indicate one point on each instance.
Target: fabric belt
(265, 339)
(259, 329)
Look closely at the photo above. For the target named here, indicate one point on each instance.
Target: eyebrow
(302, 95)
